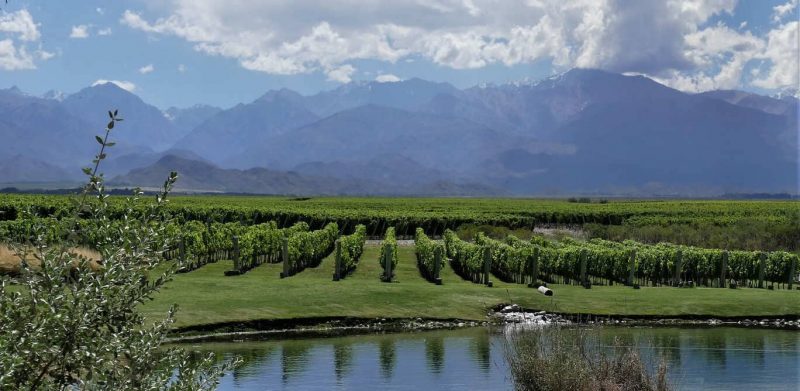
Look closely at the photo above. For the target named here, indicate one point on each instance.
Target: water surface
(698, 358)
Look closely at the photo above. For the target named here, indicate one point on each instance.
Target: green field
(440, 213)
(746, 225)
(206, 297)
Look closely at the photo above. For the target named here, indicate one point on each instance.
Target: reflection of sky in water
(709, 359)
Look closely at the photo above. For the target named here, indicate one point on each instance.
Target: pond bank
(498, 315)
(505, 313)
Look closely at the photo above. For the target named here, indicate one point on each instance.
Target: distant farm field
(446, 211)
(750, 225)
(234, 250)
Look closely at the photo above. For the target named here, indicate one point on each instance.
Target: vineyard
(299, 246)
(435, 215)
(235, 243)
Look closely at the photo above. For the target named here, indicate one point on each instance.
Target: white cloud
(720, 53)
(105, 31)
(666, 39)
(125, 85)
(341, 74)
(79, 31)
(780, 11)
(21, 23)
(17, 30)
(181, 68)
(45, 55)
(147, 69)
(13, 58)
(387, 78)
(100, 11)
(783, 54)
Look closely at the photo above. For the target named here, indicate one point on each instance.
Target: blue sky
(184, 52)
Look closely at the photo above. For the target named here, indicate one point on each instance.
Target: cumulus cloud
(147, 69)
(181, 68)
(666, 39)
(80, 31)
(105, 31)
(17, 31)
(782, 53)
(782, 10)
(20, 23)
(387, 78)
(341, 74)
(125, 85)
(45, 55)
(13, 58)
(722, 49)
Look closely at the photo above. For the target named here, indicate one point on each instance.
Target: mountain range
(581, 132)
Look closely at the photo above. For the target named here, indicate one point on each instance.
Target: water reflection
(388, 356)
(251, 359)
(481, 350)
(342, 359)
(756, 344)
(714, 359)
(667, 344)
(715, 345)
(294, 358)
(434, 353)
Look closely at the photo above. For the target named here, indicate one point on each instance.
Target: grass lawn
(205, 296)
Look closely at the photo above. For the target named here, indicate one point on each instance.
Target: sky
(186, 52)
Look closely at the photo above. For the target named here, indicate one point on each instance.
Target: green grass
(205, 296)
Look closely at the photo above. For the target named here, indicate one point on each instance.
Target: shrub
(425, 250)
(66, 327)
(352, 247)
(552, 358)
(389, 244)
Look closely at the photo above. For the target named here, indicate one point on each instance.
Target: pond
(720, 358)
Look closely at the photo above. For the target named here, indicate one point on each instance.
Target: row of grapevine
(349, 252)
(660, 264)
(430, 256)
(263, 242)
(20, 231)
(433, 215)
(198, 244)
(308, 249)
(388, 255)
(509, 263)
(466, 259)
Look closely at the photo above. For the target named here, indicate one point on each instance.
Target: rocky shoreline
(513, 313)
(498, 316)
(308, 329)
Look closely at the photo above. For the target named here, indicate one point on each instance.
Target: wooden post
(182, 251)
(285, 257)
(761, 268)
(724, 271)
(487, 265)
(337, 273)
(236, 261)
(390, 262)
(632, 268)
(437, 264)
(793, 267)
(677, 274)
(584, 260)
(534, 270)
(387, 264)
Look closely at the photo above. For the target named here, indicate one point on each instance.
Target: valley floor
(206, 297)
